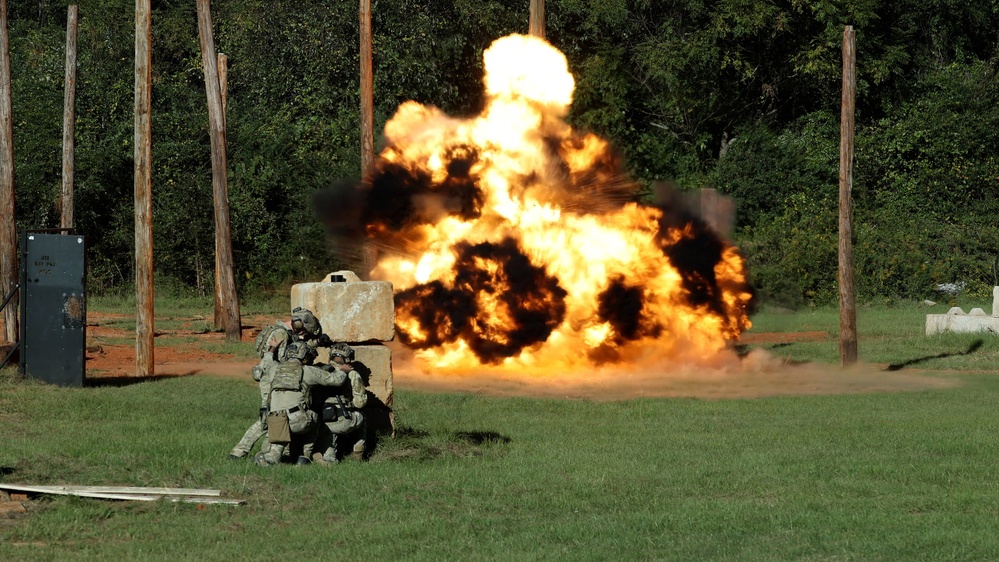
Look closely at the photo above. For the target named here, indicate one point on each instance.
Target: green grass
(886, 336)
(186, 306)
(884, 476)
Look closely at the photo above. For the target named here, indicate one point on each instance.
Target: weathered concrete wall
(957, 321)
(351, 310)
(361, 314)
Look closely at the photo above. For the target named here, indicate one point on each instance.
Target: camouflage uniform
(348, 419)
(341, 409)
(271, 344)
(262, 374)
(278, 334)
(291, 391)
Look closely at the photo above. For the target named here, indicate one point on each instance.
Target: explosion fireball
(514, 241)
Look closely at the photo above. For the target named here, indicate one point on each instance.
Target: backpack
(260, 344)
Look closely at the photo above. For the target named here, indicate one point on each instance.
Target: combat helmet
(341, 349)
(304, 319)
(301, 351)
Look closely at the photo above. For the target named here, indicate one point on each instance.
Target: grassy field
(885, 476)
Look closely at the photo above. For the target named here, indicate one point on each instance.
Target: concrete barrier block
(374, 362)
(960, 323)
(350, 310)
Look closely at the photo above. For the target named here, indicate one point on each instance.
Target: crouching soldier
(341, 408)
(289, 415)
(271, 345)
(262, 374)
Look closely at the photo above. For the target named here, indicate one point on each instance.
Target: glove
(324, 341)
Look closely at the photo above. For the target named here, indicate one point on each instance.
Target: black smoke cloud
(531, 303)
(694, 256)
(398, 199)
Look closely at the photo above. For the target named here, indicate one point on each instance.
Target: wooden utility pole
(220, 176)
(8, 226)
(69, 118)
(370, 252)
(537, 24)
(847, 299)
(367, 95)
(144, 332)
(219, 317)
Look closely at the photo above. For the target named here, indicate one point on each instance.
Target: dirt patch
(756, 374)
(170, 358)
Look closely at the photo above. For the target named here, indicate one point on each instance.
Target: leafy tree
(742, 95)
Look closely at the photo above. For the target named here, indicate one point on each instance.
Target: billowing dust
(756, 373)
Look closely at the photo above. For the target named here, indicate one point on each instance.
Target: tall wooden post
(537, 23)
(8, 226)
(220, 175)
(219, 317)
(847, 299)
(144, 332)
(223, 67)
(367, 95)
(69, 118)
(369, 252)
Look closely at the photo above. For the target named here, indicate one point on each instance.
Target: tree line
(742, 96)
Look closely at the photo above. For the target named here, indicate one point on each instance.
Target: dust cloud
(756, 374)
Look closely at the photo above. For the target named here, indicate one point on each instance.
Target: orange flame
(517, 242)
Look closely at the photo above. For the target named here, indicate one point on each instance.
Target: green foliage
(739, 95)
(935, 155)
(764, 170)
(909, 257)
(793, 257)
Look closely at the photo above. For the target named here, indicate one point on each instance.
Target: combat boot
(260, 460)
(358, 452)
(302, 461)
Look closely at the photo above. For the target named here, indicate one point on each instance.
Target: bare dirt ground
(108, 360)
(758, 373)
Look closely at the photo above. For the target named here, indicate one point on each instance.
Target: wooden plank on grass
(135, 493)
(113, 490)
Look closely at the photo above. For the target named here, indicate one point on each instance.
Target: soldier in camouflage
(341, 409)
(292, 383)
(262, 374)
(271, 344)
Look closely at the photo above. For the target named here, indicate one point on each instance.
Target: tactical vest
(288, 376)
